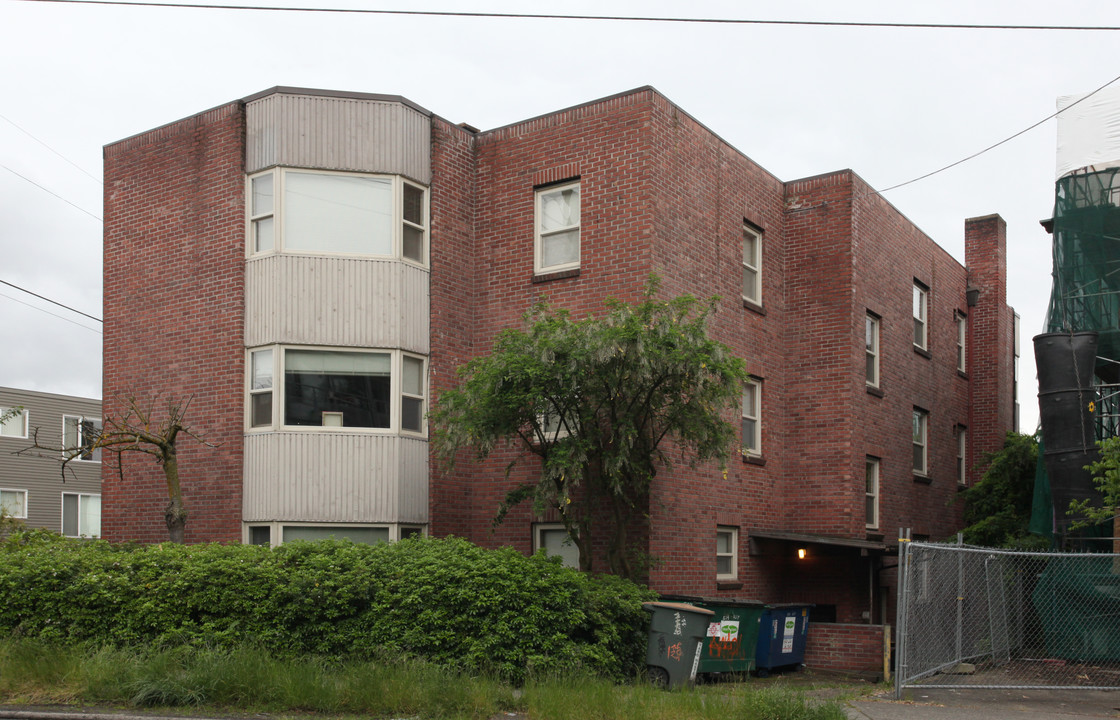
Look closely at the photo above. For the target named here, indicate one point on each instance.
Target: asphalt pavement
(979, 704)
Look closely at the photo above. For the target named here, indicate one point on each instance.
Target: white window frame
(962, 338)
(396, 385)
(80, 420)
(962, 455)
(752, 265)
(920, 439)
(539, 268)
(81, 497)
(732, 533)
(752, 410)
(422, 397)
(24, 493)
(921, 316)
(270, 390)
(277, 533)
(396, 220)
(872, 469)
(872, 326)
(276, 529)
(539, 529)
(10, 422)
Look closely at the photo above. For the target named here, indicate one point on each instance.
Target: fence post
(901, 610)
(960, 596)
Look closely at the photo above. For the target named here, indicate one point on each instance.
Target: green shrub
(446, 601)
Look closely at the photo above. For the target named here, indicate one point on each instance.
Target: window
(260, 535)
(752, 265)
(920, 444)
(260, 388)
(15, 423)
(554, 540)
(412, 394)
(81, 515)
(414, 224)
(262, 222)
(962, 447)
(752, 402)
(78, 436)
(921, 314)
(871, 342)
(557, 228)
(305, 211)
(871, 493)
(362, 535)
(13, 503)
(962, 330)
(727, 553)
(336, 388)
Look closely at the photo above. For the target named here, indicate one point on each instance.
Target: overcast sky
(890, 103)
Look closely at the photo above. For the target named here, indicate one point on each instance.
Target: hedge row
(445, 600)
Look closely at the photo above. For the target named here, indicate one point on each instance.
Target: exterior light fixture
(800, 553)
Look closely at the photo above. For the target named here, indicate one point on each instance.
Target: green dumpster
(676, 642)
(731, 636)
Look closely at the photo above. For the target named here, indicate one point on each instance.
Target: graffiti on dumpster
(661, 648)
(725, 650)
(680, 623)
(674, 652)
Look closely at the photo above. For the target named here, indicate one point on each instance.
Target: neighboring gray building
(32, 487)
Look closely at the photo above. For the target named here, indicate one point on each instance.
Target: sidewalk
(976, 704)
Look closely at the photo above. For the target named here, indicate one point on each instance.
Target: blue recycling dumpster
(782, 632)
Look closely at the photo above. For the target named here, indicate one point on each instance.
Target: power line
(48, 147)
(48, 312)
(53, 302)
(995, 145)
(609, 18)
(50, 192)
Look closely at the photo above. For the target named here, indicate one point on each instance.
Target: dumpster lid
(720, 602)
(677, 606)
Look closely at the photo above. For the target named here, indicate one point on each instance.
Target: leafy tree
(141, 429)
(997, 510)
(1106, 477)
(598, 401)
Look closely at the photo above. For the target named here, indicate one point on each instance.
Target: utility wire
(48, 147)
(611, 18)
(995, 145)
(50, 192)
(48, 312)
(53, 302)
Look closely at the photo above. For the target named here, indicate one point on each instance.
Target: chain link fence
(987, 618)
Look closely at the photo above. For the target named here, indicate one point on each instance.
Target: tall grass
(247, 679)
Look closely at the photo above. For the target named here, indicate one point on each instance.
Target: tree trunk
(620, 540)
(176, 512)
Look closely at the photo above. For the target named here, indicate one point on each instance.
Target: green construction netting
(1086, 288)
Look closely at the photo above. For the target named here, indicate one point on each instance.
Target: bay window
(336, 388)
(316, 212)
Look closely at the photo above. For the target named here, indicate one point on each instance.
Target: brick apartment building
(280, 255)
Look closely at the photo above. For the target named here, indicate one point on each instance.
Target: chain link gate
(987, 618)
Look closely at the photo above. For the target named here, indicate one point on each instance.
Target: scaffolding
(1086, 282)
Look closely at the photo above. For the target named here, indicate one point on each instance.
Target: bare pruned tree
(141, 429)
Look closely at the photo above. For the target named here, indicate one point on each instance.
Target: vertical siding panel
(336, 301)
(335, 477)
(338, 133)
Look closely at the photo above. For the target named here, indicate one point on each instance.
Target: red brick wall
(991, 326)
(845, 648)
(173, 311)
(455, 276)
